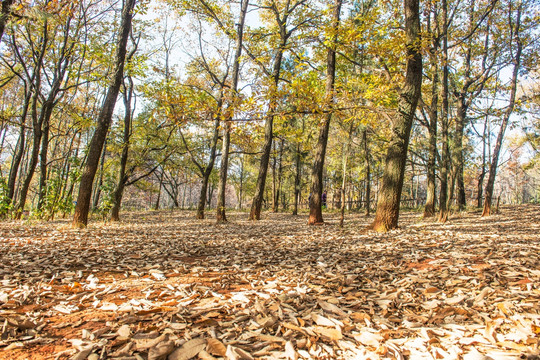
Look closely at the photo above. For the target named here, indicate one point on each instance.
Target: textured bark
(367, 159)
(80, 218)
(122, 178)
(221, 215)
(496, 152)
(297, 177)
(19, 149)
(480, 185)
(345, 160)
(445, 156)
(36, 124)
(211, 161)
(315, 206)
(458, 153)
(222, 186)
(387, 215)
(256, 205)
(277, 192)
(429, 208)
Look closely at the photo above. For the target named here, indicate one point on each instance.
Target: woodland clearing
(161, 284)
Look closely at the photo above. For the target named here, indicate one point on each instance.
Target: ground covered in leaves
(162, 285)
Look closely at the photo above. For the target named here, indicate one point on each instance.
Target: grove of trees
(280, 104)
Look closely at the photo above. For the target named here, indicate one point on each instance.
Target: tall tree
(315, 205)
(445, 156)
(80, 218)
(387, 214)
(282, 14)
(233, 102)
(516, 53)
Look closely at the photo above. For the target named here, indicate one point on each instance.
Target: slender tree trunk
(315, 206)
(82, 208)
(345, 159)
(255, 212)
(277, 192)
(211, 160)
(221, 206)
(387, 214)
(19, 149)
(122, 178)
(459, 159)
(156, 206)
(445, 157)
(368, 171)
(429, 208)
(498, 144)
(43, 164)
(241, 190)
(99, 185)
(480, 186)
(222, 186)
(297, 177)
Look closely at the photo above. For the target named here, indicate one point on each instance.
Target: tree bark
(315, 205)
(211, 160)
(122, 178)
(368, 171)
(513, 89)
(21, 143)
(82, 208)
(297, 177)
(277, 192)
(222, 186)
(387, 215)
(36, 124)
(445, 157)
(429, 208)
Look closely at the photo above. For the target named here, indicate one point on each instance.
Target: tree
(282, 14)
(387, 214)
(233, 102)
(80, 218)
(515, 36)
(315, 211)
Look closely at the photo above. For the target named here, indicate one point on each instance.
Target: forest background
(223, 104)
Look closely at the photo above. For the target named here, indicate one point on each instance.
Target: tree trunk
(445, 157)
(429, 208)
(211, 160)
(496, 152)
(458, 154)
(297, 177)
(277, 192)
(19, 149)
(255, 212)
(99, 185)
(315, 206)
(122, 178)
(82, 208)
(368, 171)
(480, 186)
(345, 159)
(156, 206)
(387, 214)
(222, 186)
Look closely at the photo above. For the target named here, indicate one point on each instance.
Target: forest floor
(163, 284)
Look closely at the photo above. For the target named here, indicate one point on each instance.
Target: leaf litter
(160, 285)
